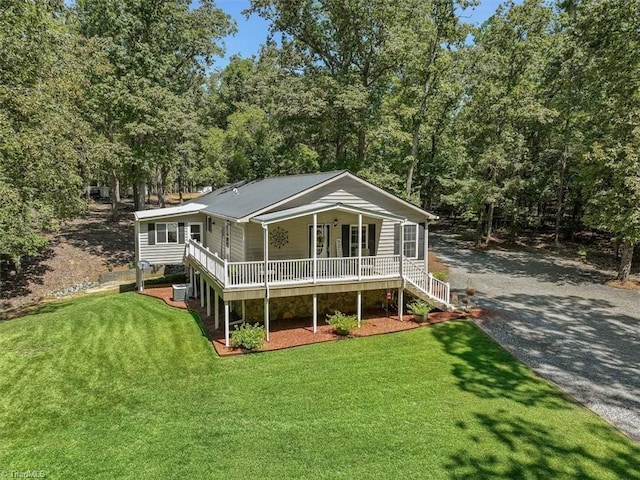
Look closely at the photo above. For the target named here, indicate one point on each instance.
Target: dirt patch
(77, 254)
(633, 284)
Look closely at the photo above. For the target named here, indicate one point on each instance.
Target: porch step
(418, 292)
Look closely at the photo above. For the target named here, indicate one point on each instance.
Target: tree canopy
(530, 120)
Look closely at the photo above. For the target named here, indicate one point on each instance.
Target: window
(209, 224)
(353, 240)
(166, 233)
(410, 247)
(196, 232)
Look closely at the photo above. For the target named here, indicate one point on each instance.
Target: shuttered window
(410, 247)
(166, 233)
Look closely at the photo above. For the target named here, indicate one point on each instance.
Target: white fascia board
(169, 211)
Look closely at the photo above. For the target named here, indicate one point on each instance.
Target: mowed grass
(122, 386)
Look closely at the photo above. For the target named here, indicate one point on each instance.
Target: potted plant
(420, 309)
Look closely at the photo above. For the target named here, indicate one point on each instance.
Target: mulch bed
(299, 331)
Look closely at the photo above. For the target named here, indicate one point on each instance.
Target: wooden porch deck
(298, 331)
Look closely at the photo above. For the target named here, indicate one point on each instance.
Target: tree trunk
(490, 222)
(114, 194)
(561, 187)
(479, 226)
(17, 262)
(513, 230)
(414, 156)
(362, 146)
(160, 188)
(624, 270)
(139, 195)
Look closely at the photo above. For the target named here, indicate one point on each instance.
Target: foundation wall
(302, 306)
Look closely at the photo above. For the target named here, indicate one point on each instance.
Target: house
(294, 246)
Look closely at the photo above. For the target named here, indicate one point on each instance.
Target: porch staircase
(424, 285)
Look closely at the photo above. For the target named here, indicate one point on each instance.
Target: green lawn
(122, 386)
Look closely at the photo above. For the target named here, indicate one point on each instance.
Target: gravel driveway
(558, 317)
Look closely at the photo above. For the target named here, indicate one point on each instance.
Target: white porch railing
(292, 271)
(427, 283)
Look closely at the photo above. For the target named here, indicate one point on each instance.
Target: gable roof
(244, 200)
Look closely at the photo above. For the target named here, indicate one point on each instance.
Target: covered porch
(317, 273)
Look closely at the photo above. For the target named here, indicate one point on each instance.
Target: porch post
(400, 302)
(193, 287)
(266, 316)
(244, 311)
(216, 307)
(226, 323)
(265, 235)
(402, 252)
(359, 246)
(426, 246)
(314, 247)
(315, 313)
(359, 308)
(201, 291)
(208, 300)
(265, 241)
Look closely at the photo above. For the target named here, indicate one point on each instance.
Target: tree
(608, 31)
(146, 102)
(348, 47)
(43, 138)
(504, 113)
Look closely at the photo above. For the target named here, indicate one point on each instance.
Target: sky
(253, 31)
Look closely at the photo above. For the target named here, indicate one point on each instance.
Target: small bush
(341, 323)
(420, 309)
(248, 336)
(442, 276)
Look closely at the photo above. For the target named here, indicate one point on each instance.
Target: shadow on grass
(487, 371)
(198, 321)
(34, 309)
(538, 451)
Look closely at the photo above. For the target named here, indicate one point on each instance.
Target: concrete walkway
(558, 317)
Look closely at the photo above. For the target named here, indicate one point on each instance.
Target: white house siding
(164, 254)
(237, 243)
(297, 231)
(352, 192)
(214, 237)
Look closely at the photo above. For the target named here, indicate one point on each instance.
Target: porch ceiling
(303, 210)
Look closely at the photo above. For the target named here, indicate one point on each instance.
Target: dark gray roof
(244, 198)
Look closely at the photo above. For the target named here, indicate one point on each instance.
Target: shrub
(442, 276)
(420, 309)
(248, 336)
(341, 323)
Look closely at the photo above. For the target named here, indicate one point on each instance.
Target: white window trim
(365, 237)
(417, 239)
(158, 242)
(201, 231)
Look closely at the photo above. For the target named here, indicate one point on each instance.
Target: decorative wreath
(278, 237)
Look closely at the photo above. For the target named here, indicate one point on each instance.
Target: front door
(323, 240)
